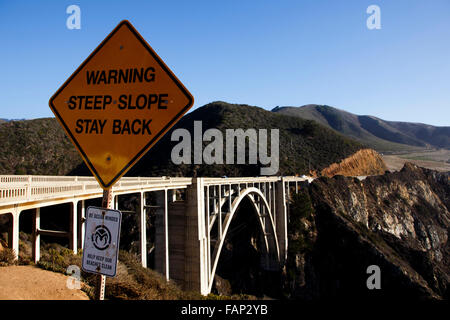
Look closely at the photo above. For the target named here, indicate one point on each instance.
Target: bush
(300, 208)
(7, 257)
(301, 211)
(144, 283)
(58, 258)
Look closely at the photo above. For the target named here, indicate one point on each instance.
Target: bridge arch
(267, 227)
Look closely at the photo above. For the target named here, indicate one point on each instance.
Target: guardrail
(250, 180)
(19, 189)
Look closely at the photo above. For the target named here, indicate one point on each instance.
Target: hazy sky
(264, 52)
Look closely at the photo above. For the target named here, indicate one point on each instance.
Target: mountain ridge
(379, 134)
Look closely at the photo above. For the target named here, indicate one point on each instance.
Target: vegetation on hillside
(304, 146)
(37, 147)
(363, 163)
(41, 147)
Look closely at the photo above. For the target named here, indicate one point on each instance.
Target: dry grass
(364, 162)
(132, 282)
(136, 282)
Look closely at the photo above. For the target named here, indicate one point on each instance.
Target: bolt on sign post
(119, 102)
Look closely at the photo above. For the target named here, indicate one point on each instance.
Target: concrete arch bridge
(193, 217)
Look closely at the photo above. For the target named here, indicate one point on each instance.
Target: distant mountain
(382, 135)
(2, 120)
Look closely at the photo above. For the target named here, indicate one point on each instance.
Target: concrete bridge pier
(162, 254)
(35, 235)
(13, 238)
(196, 245)
(182, 256)
(143, 229)
(73, 242)
(281, 219)
(82, 224)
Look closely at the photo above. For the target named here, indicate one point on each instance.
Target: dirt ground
(33, 283)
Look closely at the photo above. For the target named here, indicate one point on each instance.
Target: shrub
(7, 257)
(57, 259)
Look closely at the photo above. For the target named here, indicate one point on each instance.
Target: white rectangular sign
(101, 241)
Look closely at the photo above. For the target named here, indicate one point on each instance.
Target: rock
(398, 221)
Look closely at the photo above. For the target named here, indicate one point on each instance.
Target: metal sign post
(101, 279)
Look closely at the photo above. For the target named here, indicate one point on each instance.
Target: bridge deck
(38, 191)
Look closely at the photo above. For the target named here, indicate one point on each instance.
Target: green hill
(37, 147)
(40, 146)
(304, 145)
(384, 136)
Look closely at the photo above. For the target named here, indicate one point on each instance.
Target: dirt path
(33, 283)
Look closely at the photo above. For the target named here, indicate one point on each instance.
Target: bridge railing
(239, 180)
(27, 187)
(15, 189)
(16, 193)
(12, 179)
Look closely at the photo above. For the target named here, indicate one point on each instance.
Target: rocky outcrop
(365, 162)
(398, 221)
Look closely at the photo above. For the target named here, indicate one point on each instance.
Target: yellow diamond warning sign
(119, 103)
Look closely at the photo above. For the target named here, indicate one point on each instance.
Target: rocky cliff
(398, 221)
(362, 163)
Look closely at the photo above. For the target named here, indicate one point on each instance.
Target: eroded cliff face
(399, 221)
(364, 162)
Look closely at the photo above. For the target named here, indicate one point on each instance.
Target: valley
(438, 160)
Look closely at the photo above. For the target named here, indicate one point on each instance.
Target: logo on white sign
(101, 244)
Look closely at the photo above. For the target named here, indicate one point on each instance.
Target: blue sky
(260, 52)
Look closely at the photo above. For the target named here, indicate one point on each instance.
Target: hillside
(362, 163)
(41, 147)
(381, 135)
(304, 145)
(37, 147)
